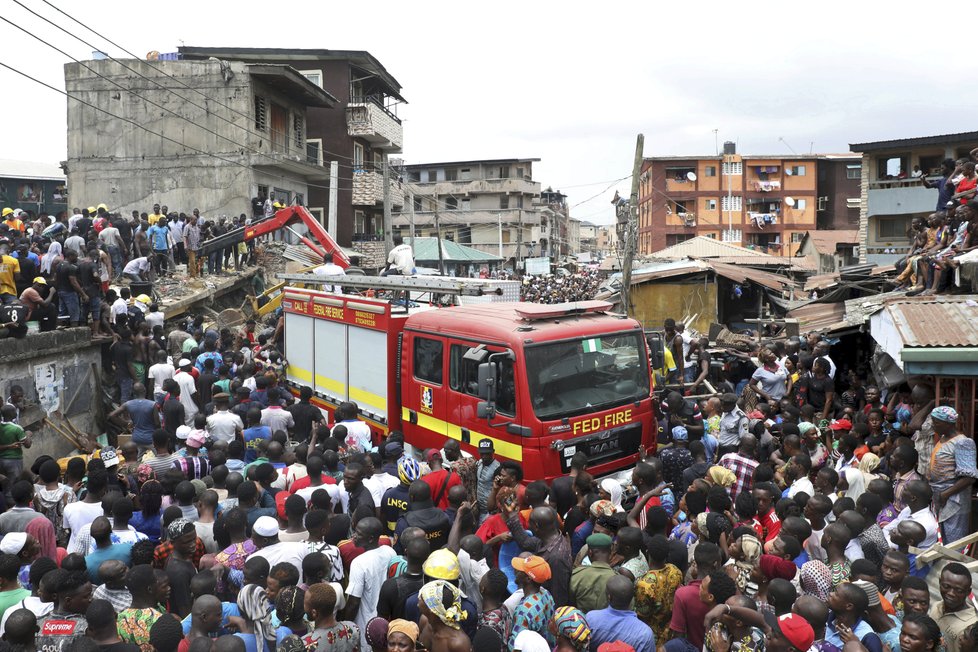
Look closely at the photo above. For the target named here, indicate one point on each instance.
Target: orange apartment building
(761, 202)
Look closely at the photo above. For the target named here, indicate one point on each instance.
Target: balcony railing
(759, 185)
(368, 189)
(372, 122)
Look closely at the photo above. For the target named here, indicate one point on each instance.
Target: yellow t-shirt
(8, 267)
(154, 218)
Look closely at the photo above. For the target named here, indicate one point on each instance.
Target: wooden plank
(937, 550)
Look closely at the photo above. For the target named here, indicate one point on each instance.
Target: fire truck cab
(542, 382)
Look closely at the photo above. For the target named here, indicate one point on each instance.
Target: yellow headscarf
(405, 627)
(721, 476)
(432, 594)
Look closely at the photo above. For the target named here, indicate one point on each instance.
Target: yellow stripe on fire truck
(506, 449)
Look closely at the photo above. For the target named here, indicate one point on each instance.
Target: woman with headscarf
(720, 476)
(745, 554)
(43, 532)
(610, 490)
(257, 631)
(854, 482)
(815, 579)
(50, 260)
(570, 628)
(402, 636)
(375, 633)
(291, 613)
(441, 604)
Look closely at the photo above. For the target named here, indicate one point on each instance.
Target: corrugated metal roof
(14, 169)
(819, 317)
(426, 249)
(940, 322)
(943, 139)
(826, 242)
(704, 247)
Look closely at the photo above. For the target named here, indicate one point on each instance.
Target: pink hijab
(41, 529)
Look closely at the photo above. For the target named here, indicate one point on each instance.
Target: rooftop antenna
(716, 142)
(811, 148)
(780, 138)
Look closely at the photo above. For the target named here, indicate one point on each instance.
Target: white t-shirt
(137, 266)
(206, 533)
(378, 484)
(187, 390)
(289, 551)
(33, 603)
(402, 258)
(77, 515)
(119, 307)
(159, 372)
(224, 425)
(329, 269)
(154, 319)
(367, 573)
(357, 434)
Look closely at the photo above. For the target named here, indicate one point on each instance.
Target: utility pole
(334, 179)
(499, 219)
(388, 226)
(519, 239)
(410, 200)
(631, 228)
(441, 257)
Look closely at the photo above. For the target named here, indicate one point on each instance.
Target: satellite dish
(790, 201)
(691, 176)
(788, 171)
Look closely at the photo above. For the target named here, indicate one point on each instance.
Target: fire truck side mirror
(484, 410)
(488, 373)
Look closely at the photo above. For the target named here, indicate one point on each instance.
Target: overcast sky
(571, 83)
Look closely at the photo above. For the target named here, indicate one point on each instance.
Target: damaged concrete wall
(57, 371)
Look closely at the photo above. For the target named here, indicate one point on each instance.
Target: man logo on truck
(427, 400)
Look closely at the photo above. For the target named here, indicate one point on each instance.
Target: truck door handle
(412, 416)
(466, 435)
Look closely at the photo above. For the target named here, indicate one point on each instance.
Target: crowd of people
(238, 517)
(61, 267)
(557, 288)
(938, 243)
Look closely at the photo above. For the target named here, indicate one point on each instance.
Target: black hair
(39, 568)
(931, 629)
(515, 468)
(285, 573)
(100, 614)
(497, 585)
(166, 633)
(792, 547)
(864, 567)
(722, 586)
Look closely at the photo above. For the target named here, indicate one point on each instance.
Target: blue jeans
(125, 389)
(93, 305)
(690, 373)
(680, 645)
(70, 306)
(116, 257)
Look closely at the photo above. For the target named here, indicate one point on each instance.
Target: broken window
(261, 113)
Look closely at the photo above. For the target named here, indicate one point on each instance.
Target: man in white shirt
(265, 537)
(800, 466)
(329, 268)
(73, 220)
(367, 574)
(357, 432)
(137, 269)
(451, 452)
(223, 425)
(821, 350)
(188, 391)
(275, 416)
(159, 372)
(400, 261)
(917, 495)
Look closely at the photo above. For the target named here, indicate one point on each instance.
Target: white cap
(13, 543)
(183, 362)
(183, 432)
(266, 526)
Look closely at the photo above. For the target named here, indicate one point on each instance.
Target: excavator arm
(321, 242)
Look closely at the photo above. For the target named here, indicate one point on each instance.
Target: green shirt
(189, 345)
(587, 586)
(10, 433)
(10, 598)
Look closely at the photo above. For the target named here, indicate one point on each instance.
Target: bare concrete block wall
(56, 371)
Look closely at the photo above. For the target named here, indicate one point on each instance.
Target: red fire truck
(542, 382)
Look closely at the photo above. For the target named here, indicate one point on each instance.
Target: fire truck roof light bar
(538, 311)
(443, 285)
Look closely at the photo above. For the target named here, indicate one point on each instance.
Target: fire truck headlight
(558, 445)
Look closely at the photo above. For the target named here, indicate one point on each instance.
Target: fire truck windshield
(576, 377)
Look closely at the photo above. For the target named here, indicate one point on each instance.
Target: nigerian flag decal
(592, 345)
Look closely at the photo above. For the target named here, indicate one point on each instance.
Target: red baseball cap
(840, 424)
(794, 628)
(432, 454)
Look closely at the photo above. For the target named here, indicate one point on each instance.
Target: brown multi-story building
(358, 132)
(763, 202)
